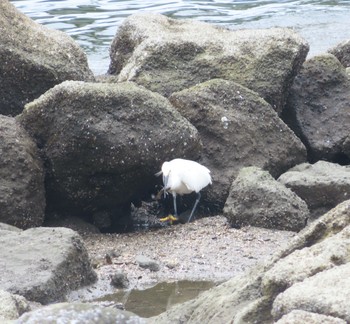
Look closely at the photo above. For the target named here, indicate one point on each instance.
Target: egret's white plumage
(183, 177)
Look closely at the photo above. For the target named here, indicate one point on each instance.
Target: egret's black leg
(194, 206)
(175, 207)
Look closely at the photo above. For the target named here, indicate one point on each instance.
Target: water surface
(93, 23)
(156, 300)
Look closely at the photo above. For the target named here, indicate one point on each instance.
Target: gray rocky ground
(207, 249)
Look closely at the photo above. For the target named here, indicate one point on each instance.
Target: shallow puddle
(153, 301)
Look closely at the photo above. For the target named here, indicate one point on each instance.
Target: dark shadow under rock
(103, 144)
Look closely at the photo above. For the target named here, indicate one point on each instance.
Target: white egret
(183, 177)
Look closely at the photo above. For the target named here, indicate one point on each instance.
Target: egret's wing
(194, 175)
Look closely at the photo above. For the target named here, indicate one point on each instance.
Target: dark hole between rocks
(341, 159)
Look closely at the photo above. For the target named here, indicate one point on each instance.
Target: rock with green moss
(103, 143)
(257, 199)
(33, 59)
(322, 185)
(326, 293)
(7, 227)
(318, 109)
(168, 55)
(238, 128)
(245, 299)
(329, 253)
(342, 52)
(22, 190)
(300, 316)
(12, 306)
(43, 264)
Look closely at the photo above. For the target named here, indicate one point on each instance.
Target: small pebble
(171, 264)
(147, 263)
(120, 280)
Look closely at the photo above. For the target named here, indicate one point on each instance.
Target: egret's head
(166, 172)
(166, 169)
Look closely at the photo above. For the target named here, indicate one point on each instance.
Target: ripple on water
(93, 23)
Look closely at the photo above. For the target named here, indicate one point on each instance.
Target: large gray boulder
(327, 254)
(79, 313)
(257, 199)
(318, 109)
(237, 129)
(342, 52)
(22, 191)
(103, 143)
(43, 264)
(326, 293)
(168, 55)
(33, 59)
(245, 299)
(322, 185)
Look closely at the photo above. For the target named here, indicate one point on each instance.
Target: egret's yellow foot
(170, 218)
